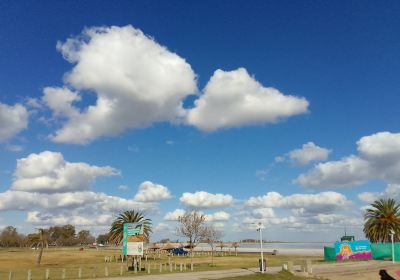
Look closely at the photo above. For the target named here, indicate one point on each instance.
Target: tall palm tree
(131, 216)
(380, 219)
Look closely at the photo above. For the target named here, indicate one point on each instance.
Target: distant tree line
(59, 236)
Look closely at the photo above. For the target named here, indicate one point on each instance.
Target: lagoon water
(286, 245)
(297, 248)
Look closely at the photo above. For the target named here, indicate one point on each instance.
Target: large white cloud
(206, 200)
(150, 192)
(13, 119)
(309, 152)
(49, 172)
(136, 80)
(234, 98)
(378, 158)
(324, 202)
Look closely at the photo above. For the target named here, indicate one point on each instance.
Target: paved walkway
(349, 270)
(196, 275)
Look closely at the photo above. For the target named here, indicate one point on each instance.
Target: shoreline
(267, 251)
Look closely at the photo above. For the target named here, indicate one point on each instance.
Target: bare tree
(211, 237)
(41, 240)
(236, 245)
(221, 245)
(192, 226)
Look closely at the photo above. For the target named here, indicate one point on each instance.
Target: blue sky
(272, 111)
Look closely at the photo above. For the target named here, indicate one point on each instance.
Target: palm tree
(380, 219)
(132, 216)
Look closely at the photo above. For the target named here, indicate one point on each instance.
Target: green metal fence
(329, 254)
(382, 251)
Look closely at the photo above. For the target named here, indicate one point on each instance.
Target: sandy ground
(366, 270)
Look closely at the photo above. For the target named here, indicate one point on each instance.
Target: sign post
(132, 240)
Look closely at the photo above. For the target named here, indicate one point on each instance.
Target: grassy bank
(92, 262)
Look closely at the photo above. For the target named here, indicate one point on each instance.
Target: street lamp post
(392, 237)
(261, 247)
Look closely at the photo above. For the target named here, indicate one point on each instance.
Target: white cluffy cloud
(53, 191)
(174, 215)
(49, 219)
(150, 192)
(90, 201)
(217, 216)
(137, 82)
(234, 98)
(206, 200)
(378, 158)
(324, 202)
(392, 191)
(48, 172)
(309, 152)
(13, 119)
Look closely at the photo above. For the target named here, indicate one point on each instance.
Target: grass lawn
(92, 262)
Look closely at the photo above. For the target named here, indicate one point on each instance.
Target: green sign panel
(128, 247)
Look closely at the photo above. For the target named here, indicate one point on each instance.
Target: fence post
(63, 273)
(29, 274)
(94, 272)
(135, 265)
(175, 265)
(180, 267)
(191, 266)
(80, 273)
(10, 275)
(148, 268)
(106, 271)
(160, 267)
(290, 266)
(308, 266)
(170, 267)
(47, 276)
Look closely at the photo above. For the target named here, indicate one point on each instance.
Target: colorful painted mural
(351, 250)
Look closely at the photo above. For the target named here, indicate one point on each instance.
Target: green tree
(85, 237)
(63, 235)
(131, 216)
(382, 217)
(102, 239)
(9, 237)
